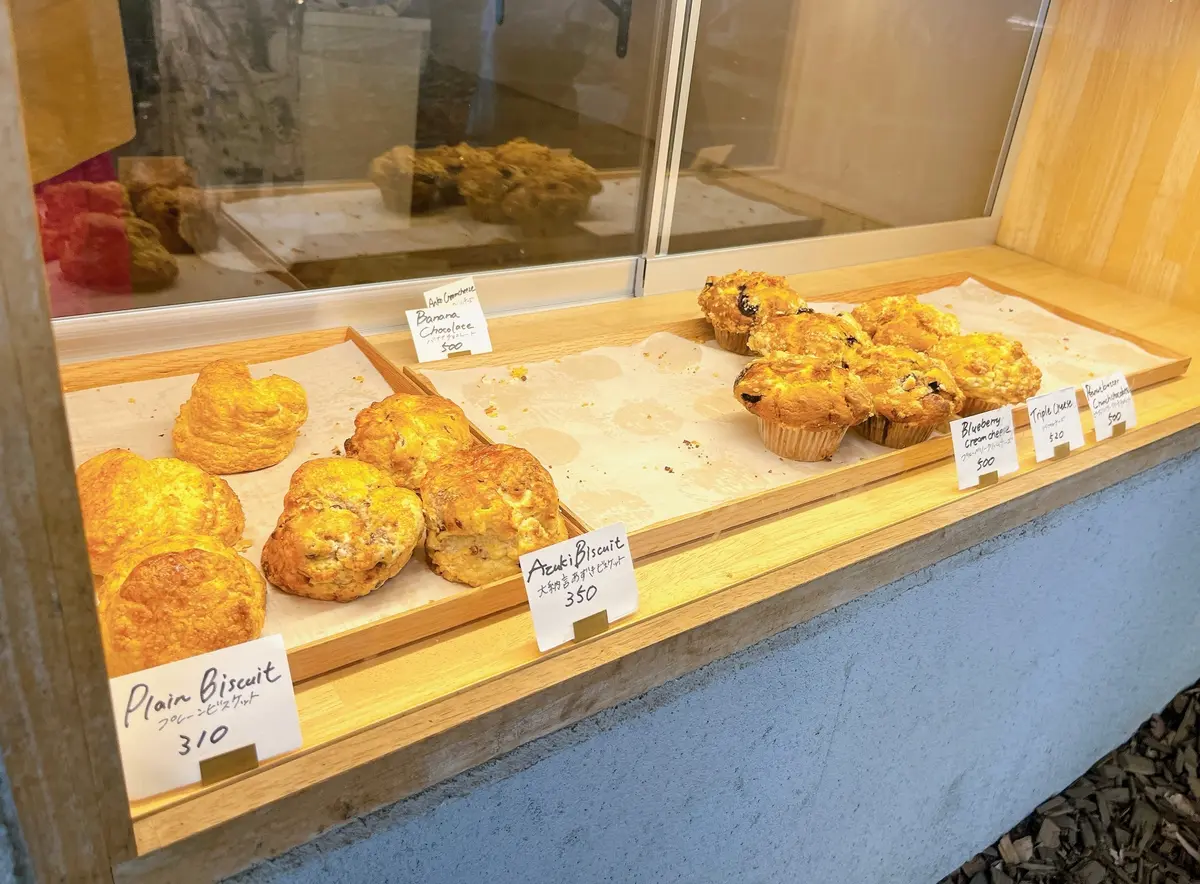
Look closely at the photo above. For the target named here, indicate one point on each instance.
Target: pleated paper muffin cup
(796, 443)
(882, 431)
(975, 405)
(734, 342)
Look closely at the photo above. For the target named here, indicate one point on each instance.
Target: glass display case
(237, 205)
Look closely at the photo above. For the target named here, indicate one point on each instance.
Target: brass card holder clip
(988, 479)
(228, 764)
(591, 626)
(1062, 450)
(1118, 429)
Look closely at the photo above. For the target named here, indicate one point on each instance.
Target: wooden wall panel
(1108, 181)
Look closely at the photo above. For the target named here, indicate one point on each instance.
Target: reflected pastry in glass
(485, 507)
(408, 182)
(734, 302)
(175, 598)
(992, 370)
(911, 393)
(405, 434)
(903, 321)
(455, 159)
(808, 333)
(233, 423)
(523, 152)
(346, 529)
(129, 501)
(804, 404)
(115, 253)
(484, 187)
(184, 219)
(60, 204)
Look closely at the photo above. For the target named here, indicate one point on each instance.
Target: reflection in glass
(821, 118)
(278, 145)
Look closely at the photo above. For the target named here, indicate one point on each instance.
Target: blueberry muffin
(808, 333)
(911, 393)
(734, 302)
(804, 404)
(992, 370)
(902, 320)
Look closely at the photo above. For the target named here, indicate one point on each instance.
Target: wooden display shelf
(360, 642)
(713, 521)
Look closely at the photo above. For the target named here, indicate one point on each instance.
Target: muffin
(485, 507)
(140, 174)
(732, 303)
(161, 208)
(128, 502)
(177, 597)
(407, 181)
(485, 185)
(808, 333)
(992, 370)
(523, 152)
(911, 393)
(902, 320)
(346, 529)
(804, 404)
(404, 434)
(234, 424)
(545, 204)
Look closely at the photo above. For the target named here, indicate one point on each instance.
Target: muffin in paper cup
(890, 434)
(804, 404)
(733, 302)
(903, 321)
(911, 394)
(974, 405)
(795, 443)
(992, 370)
(734, 342)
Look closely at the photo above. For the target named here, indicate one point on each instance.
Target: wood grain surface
(399, 722)
(56, 722)
(1108, 180)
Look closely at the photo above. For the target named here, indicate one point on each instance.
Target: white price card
(461, 291)
(578, 578)
(985, 447)
(1111, 402)
(172, 717)
(439, 332)
(1054, 421)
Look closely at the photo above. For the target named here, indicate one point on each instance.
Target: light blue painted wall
(885, 741)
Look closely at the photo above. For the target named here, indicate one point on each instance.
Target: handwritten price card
(172, 717)
(1054, 420)
(985, 447)
(461, 292)
(1111, 402)
(451, 328)
(577, 578)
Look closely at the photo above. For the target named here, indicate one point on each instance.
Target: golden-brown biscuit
(902, 320)
(346, 528)
(808, 334)
(403, 434)
(234, 424)
(128, 501)
(992, 370)
(911, 393)
(485, 507)
(177, 597)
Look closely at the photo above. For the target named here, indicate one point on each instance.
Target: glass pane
(190, 150)
(831, 117)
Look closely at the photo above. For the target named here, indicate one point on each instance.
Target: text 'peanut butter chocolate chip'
(745, 307)
(751, 398)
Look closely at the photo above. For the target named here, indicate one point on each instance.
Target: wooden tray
(712, 522)
(359, 643)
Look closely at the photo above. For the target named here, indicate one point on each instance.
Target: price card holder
(578, 587)
(1062, 450)
(229, 764)
(985, 448)
(441, 332)
(1111, 402)
(205, 718)
(590, 626)
(1054, 423)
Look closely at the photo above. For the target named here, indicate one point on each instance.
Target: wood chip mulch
(1134, 818)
